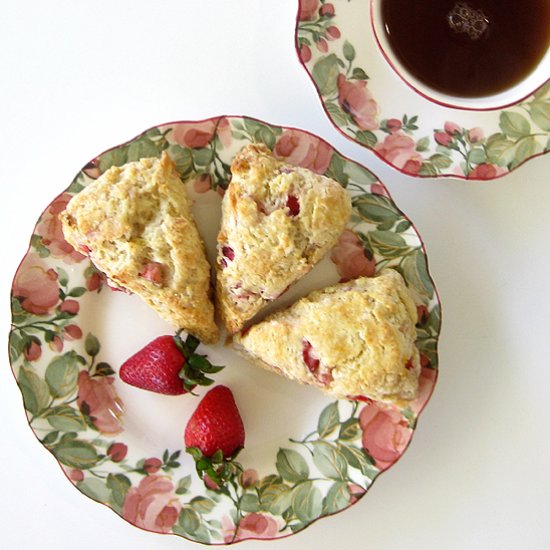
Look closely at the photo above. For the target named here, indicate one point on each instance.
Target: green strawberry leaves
(215, 470)
(188, 346)
(196, 367)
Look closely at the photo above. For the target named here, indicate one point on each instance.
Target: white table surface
(79, 77)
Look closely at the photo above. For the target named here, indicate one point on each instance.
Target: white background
(79, 77)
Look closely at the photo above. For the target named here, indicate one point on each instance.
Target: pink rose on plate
(452, 128)
(327, 9)
(33, 350)
(350, 257)
(199, 134)
(386, 433)
(422, 313)
(443, 138)
(202, 183)
(92, 169)
(50, 229)
(486, 171)
(398, 149)
(36, 286)
(56, 344)
(322, 45)
(117, 451)
(475, 135)
(355, 492)
(72, 332)
(305, 53)
(73, 474)
(308, 10)
(379, 189)
(251, 526)
(97, 398)
(412, 167)
(393, 125)
(152, 505)
(426, 384)
(304, 150)
(333, 32)
(70, 306)
(152, 465)
(356, 99)
(249, 477)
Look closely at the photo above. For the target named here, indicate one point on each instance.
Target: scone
(352, 339)
(278, 221)
(135, 224)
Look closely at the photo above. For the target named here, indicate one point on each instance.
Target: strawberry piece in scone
(351, 340)
(135, 224)
(278, 221)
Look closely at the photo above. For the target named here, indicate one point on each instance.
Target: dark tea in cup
(467, 48)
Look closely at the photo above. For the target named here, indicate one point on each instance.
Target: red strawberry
(168, 365)
(153, 271)
(313, 363)
(228, 252)
(216, 424)
(311, 359)
(362, 398)
(214, 436)
(293, 205)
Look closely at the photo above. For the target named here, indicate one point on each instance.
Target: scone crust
(272, 245)
(135, 219)
(362, 332)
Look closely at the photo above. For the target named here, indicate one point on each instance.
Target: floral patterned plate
(306, 456)
(369, 103)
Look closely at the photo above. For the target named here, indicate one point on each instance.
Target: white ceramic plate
(369, 103)
(306, 455)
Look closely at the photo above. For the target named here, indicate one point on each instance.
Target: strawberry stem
(216, 468)
(187, 346)
(195, 366)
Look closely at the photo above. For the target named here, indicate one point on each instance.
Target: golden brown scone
(278, 221)
(352, 339)
(136, 225)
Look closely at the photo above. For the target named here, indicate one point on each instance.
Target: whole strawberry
(214, 436)
(168, 365)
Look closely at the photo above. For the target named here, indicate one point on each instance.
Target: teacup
(463, 17)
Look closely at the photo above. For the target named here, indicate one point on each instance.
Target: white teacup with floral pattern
(514, 94)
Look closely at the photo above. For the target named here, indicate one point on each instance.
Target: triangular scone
(278, 221)
(352, 339)
(135, 224)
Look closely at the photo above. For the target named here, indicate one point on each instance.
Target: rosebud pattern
(72, 394)
(444, 142)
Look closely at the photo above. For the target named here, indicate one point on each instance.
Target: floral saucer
(306, 456)
(369, 103)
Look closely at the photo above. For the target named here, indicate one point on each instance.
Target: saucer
(370, 104)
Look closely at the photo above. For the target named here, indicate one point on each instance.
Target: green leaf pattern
(59, 365)
(509, 137)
